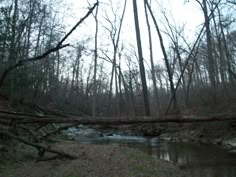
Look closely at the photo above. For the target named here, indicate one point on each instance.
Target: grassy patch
(140, 169)
(137, 156)
(144, 170)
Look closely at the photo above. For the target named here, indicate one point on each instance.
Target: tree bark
(211, 62)
(155, 90)
(95, 65)
(129, 120)
(141, 64)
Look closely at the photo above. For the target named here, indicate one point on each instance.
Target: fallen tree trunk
(6, 119)
(20, 115)
(38, 146)
(12, 124)
(126, 120)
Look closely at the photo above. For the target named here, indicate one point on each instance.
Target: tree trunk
(95, 65)
(211, 65)
(141, 64)
(152, 63)
(170, 76)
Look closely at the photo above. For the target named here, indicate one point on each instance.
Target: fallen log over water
(122, 120)
(27, 128)
(21, 118)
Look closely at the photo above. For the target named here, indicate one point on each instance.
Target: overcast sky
(183, 13)
(178, 12)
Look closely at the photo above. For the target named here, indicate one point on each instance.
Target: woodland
(46, 72)
(39, 67)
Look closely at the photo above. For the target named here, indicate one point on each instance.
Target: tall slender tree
(114, 34)
(95, 63)
(155, 90)
(167, 63)
(141, 64)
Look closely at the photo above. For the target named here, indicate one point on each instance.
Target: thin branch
(79, 22)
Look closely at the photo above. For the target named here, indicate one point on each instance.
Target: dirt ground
(96, 161)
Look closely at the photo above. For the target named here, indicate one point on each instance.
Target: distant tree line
(195, 75)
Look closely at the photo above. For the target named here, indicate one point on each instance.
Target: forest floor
(92, 161)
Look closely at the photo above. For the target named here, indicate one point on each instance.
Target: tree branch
(58, 47)
(38, 146)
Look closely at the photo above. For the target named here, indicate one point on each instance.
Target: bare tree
(141, 64)
(114, 34)
(59, 46)
(151, 61)
(170, 75)
(211, 63)
(95, 63)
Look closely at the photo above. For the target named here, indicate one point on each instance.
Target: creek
(200, 160)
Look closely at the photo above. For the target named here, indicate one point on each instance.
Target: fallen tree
(41, 149)
(27, 128)
(119, 120)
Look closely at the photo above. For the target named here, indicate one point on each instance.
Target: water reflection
(200, 160)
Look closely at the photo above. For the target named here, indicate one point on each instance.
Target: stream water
(200, 160)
